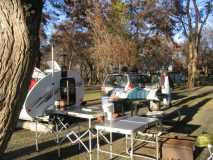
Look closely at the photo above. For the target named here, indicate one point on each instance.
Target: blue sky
(50, 27)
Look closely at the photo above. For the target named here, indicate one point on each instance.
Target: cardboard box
(177, 149)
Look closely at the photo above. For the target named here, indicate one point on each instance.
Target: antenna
(52, 61)
(53, 84)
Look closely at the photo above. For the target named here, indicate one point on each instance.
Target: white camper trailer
(45, 88)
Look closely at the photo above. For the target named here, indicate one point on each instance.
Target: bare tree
(206, 51)
(19, 46)
(192, 17)
(110, 48)
(157, 52)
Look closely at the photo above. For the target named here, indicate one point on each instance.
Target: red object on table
(32, 83)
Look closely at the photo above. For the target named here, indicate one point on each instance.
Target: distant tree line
(99, 36)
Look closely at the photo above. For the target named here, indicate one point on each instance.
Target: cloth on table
(135, 93)
(120, 100)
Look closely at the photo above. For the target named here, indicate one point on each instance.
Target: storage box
(177, 149)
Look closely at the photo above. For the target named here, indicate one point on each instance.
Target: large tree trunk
(19, 45)
(192, 64)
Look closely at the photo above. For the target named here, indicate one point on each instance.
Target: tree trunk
(192, 64)
(19, 46)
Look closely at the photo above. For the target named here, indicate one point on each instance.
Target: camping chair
(52, 123)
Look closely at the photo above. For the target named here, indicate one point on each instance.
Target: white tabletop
(80, 112)
(143, 120)
(127, 126)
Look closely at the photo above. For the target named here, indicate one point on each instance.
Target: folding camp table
(48, 126)
(82, 113)
(129, 127)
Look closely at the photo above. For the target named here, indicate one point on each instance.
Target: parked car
(126, 81)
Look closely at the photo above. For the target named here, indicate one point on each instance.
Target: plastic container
(57, 104)
(107, 106)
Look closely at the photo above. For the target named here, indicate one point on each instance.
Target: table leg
(57, 139)
(210, 157)
(37, 149)
(132, 149)
(210, 152)
(110, 145)
(157, 147)
(79, 134)
(90, 140)
(127, 144)
(98, 146)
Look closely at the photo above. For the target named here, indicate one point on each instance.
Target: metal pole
(57, 139)
(126, 144)
(98, 146)
(157, 147)
(53, 84)
(132, 149)
(90, 140)
(37, 149)
(52, 52)
(110, 145)
(79, 134)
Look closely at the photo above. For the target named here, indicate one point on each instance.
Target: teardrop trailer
(46, 87)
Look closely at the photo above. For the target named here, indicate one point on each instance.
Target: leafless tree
(192, 17)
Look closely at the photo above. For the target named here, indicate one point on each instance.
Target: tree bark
(192, 63)
(19, 46)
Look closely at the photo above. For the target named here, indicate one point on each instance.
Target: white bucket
(108, 107)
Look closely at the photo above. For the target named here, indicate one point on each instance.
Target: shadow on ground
(67, 150)
(176, 96)
(183, 126)
(187, 113)
(190, 98)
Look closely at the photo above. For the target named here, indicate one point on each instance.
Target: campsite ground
(195, 106)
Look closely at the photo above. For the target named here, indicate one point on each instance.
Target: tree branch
(206, 18)
(184, 27)
(197, 16)
(188, 16)
(203, 23)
